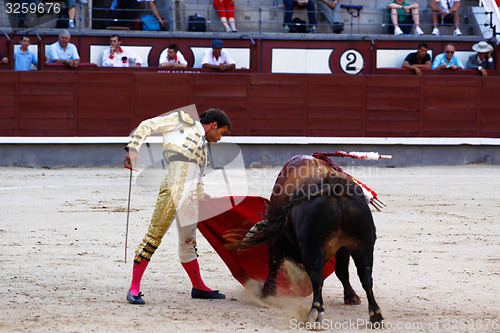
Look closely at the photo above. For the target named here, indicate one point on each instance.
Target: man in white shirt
(172, 58)
(116, 56)
(64, 52)
(447, 10)
(216, 58)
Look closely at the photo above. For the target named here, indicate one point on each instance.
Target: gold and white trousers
(177, 199)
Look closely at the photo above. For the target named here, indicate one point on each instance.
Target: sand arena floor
(62, 267)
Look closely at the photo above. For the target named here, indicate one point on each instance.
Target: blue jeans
(22, 16)
(311, 11)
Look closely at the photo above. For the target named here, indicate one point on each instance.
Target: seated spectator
(447, 10)
(419, 59)
(404, 14)
(306, 4)
(482, 60)
(172, 58)
(216, 58)
(331, 11)
(71, 13)
(118, 56)
(24, 58)
(4, 60)
(448, 59)
(64, 52)
(125, 13)
(154, 10)
(21, 17)
(225, 8)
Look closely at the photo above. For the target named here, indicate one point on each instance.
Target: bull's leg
(269, 288)
(342, 272)
(363, 258)
(314, 264)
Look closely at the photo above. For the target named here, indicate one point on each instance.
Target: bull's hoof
(267, 291)
(316, 316)
(264, 295)
(317, 313)
(352, 300)
(376, 318)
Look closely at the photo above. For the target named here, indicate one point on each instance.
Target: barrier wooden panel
(488, 119)
(450, 106)
(104, 104)
(46, 104)
(228, 92)
(8, 106)
(157, 94)
(393, 110)
(61, 103)
(277, 105)
(336, 105)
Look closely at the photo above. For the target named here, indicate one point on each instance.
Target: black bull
(316, 213)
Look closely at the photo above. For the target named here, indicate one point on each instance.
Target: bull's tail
(261, 233)
(270, 229)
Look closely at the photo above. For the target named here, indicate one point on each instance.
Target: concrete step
(370, 21)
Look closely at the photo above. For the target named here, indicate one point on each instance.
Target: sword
(128, 204)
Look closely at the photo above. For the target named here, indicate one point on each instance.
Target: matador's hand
(131, 157)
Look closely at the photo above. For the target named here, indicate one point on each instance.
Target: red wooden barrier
(81, 103)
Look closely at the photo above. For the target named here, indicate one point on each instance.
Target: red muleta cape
(250, 263)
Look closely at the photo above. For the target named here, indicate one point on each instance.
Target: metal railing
(38, 17)
(491, 9)
(258, 20)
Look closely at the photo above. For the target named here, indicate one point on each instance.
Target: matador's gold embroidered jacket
(181, 135)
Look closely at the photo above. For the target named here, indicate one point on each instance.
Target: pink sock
(137, 273)
(193, 271)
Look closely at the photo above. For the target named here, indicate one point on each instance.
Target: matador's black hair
(215, 115)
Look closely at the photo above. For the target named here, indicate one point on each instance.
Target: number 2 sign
(352, 62)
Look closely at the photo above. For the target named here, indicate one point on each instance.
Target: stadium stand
(259, 16)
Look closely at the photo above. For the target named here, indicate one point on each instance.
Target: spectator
(4, 60)
(448, 11)
(419, 59)
(154, 10)
(216, 58)
(482, 60)
(225, 8)
(116, 56)
(172, 58)
(125, 13)
(64, 52)
(331, 11)
(448, 59)
(71, 13)
(404, 13)
(23, 58)
(21, 17)
(303, 4)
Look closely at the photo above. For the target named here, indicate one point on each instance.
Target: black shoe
(135, 299)
(213, 294)
(338, 27)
